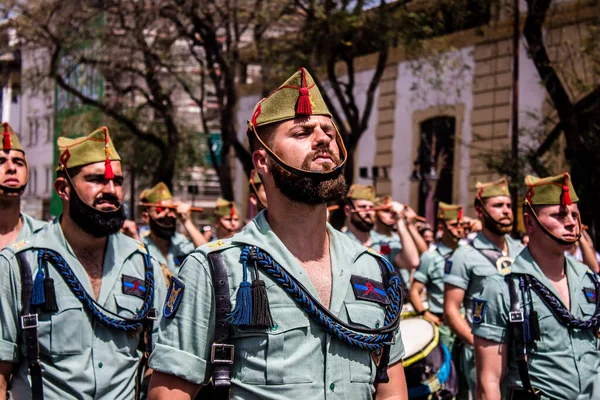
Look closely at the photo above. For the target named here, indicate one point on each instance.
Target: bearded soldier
(314, 315)
(168, 246)
(14, 225)
(257, 194)
(360, 213)
(78, 299)
(536, 328)
(491, 251)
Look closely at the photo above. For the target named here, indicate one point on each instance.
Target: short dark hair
(265, 132)
(72, 172)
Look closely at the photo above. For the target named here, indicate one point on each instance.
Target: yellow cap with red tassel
(94, 148)
(10, 140)
(552, 190)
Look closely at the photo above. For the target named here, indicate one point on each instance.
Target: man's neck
(10, 216)
(162, 244)
(301, 227)
(551, 259)
(80, 240)
(449, 241)
(383, 229)
(497, 240)
(363, 237)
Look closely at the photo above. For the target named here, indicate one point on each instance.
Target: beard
(309, 190)
(163, 228)
(93, 221)
(360, 223)
(496, 227)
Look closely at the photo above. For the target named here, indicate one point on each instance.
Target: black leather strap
(222, 349)
(29, 323)
(516, 323)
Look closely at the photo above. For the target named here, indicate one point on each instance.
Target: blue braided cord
(369, 342)
(526, 324)
(38, 296)
(95, 309)
(559, 310)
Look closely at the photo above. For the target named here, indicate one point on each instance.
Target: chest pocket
(368, 316)
(282, 355)
(127, 306)
(68, 335)
(587, 336)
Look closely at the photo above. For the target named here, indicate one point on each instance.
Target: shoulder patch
(590, 295)
(173, 299)
(478, 309)
(448, 267)
(142, 248)
(133, 286)
(20, 245)
(217, 245)
(369, 290)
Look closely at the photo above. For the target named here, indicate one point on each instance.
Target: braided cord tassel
(97, 311)
(369, 342)
(37, 297)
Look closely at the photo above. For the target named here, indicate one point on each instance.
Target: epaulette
(19, 246)
(369, 251)
(142, 247)
(218, 245)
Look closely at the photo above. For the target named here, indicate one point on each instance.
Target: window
(33, 181)
(49, 177)
(49, 130)
(34, 128)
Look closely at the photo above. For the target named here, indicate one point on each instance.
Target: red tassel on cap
(460, 213)
(108, 171)
(232, 211)
(566, 195)
(6, 145)
(303, 107)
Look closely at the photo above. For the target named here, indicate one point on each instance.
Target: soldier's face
(500, 210)
(455, 227)
(13, 169)
(561, 221)
(227, 226)
(386, 217)
(97, 191)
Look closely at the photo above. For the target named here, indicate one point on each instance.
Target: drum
(430, 373)
(408, 311)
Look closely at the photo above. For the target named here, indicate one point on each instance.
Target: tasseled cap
(361, 192)
(552, 190)
(448, 212)
(492, 189)
(254, 178)
(298, 96)
(160, 192)
(384, 202)
(97, 147)
(10, 140)
(225, 208)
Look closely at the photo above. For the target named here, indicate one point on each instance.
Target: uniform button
(275, 327)
(332, 387)
(377, 324)
(99, 365)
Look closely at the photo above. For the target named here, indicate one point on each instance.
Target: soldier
(257, 196)
(165, 244)
(78, 298)
(360, 213)
(392, 236)
(536, 328)
(14, 225)
(468, 267)
(227, 219)
(309, 319)
(430, 274)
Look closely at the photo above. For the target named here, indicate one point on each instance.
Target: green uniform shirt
(30, 226)
(468, 267)
(179, 249)
(389, 246)
(297, 358)
(431, 274)
(81, 358)
(564, 364)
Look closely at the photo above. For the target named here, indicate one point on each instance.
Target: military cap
(160, 192)
(383, 202)
(449, 212)
(552, 190)
(298, 96)
(361, 192)
(10, 140)
(96, 147)
(225, 208)
(492, 189)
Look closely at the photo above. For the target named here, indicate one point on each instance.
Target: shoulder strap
(29, 324)
(516, 322)
(221, 355)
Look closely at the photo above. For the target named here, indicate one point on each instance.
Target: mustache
(316, 154)
(108, 198)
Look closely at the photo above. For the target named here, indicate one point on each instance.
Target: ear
(528, 222)
(260, 161)
(347, 210)
(252, 199)
(62, 188)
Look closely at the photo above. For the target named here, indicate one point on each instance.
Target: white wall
(414, 93)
